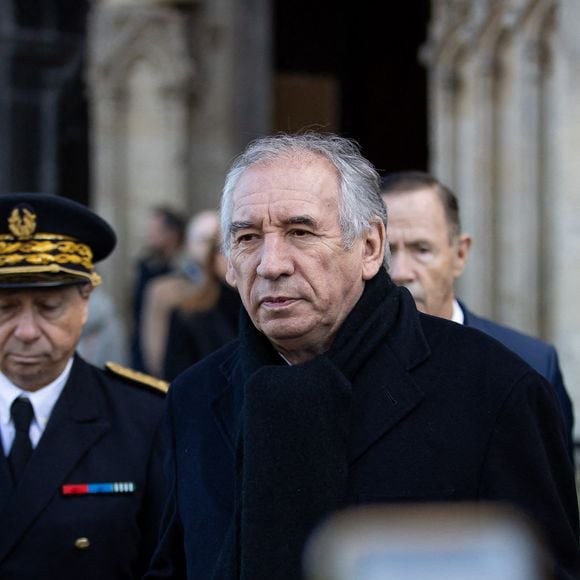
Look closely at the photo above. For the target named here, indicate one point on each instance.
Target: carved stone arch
(141, 77)
(154, 36)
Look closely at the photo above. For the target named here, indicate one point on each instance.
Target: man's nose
(401, 269)
(275, 258)
(27, 328)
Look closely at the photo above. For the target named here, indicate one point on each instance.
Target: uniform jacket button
(82, 543)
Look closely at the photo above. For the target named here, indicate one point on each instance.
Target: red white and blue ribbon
(93, 488)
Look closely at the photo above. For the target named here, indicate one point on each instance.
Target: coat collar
(78, 420)
(383, 394)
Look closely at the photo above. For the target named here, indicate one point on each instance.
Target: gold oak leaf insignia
(22, 223)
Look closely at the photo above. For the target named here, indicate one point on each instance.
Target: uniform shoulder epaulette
(138, 377)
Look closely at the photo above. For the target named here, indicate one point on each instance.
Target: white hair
(360, 203)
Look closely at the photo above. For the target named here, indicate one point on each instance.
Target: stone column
(177, 88)
(461, 135)
(520, 171)
(474, 180)
(564, 198)
(141, 77)
(234, 102)
(506, 136)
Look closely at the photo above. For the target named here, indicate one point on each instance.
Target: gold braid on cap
(27, 252)
(38, 252)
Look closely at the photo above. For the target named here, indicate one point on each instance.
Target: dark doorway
(43, 109)
(354, 69)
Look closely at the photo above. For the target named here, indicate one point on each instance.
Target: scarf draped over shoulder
(291, 464)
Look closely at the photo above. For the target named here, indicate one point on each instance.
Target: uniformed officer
(81, 481)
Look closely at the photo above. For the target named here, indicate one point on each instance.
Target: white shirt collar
(43, 400)
(457, 314)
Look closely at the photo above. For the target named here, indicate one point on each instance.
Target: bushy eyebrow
(303, 220)
(237, 226)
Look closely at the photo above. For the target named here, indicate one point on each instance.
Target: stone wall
(176, 89)
(505, 131)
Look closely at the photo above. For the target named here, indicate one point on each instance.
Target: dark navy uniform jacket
(103, 429)
(440, 412)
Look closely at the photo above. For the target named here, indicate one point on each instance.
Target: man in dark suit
(429, 252)
(81, 482)
(337, 391)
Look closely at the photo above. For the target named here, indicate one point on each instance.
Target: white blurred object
(426, 542)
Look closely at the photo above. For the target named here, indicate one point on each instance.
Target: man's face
(295, 278)
(39, 331)
(423, 257)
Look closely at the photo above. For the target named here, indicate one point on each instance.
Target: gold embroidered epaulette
(138, 377)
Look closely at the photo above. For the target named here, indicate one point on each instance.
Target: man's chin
(27, 376)
(284, 330)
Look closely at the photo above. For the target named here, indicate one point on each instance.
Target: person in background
(165, 292)
(204, 320)
(164, 240)
(81, 476)
(103, 338)
(429, 252)
(337, 392)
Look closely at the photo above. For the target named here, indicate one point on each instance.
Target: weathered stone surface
(505, 135)
(176, 89)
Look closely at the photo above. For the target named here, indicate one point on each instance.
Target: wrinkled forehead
(304, 175)
(419, 211)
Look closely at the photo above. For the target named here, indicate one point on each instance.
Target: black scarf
(292, 466)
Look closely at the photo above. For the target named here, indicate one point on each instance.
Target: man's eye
(49, 307)
(243, 238)
(300, 233)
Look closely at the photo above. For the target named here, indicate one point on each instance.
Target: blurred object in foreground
(426, 542)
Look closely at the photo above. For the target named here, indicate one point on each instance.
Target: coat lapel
(383, 395)
(228, 403)
(77, 422)
(385, 392)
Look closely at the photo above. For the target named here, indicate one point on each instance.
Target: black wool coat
(440, 412)
(540, 355)
(102, 429)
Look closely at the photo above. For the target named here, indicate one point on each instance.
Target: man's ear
(373, 249)
(462, 247)
(85, 290)
(230, 275)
